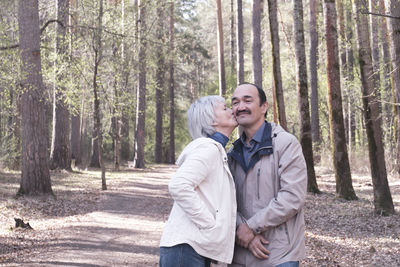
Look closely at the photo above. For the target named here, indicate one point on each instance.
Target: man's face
(246, 106)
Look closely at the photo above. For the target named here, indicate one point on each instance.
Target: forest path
(124, 230)
(122, 226)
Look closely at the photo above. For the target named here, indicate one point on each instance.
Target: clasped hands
(255, 243)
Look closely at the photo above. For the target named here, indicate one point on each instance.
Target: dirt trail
(123, 231)
(122, 226)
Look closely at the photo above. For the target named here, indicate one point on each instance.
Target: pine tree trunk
(60, 155)
(76, 139)
(240, 46)
(171, 150)
(141, 96)
(232, 39)
(302, 95)
(372, 114)
(256, 52)
(94, 153)
(221, 60)
(98, 51)
(344, 186)
(276, 62)
(352, 128)
(35, 175)
(387, 95)
(315, 127)
(375, 46)
(159, 84)
(119, 75)
(394, 33)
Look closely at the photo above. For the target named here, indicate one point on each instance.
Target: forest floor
(85, 226)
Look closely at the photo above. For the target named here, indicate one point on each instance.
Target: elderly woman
(202, 222)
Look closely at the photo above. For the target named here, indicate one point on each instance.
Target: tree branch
(41, 31)
(366, 12)
(51, 21)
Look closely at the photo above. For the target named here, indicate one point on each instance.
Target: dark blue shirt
(249, 150)
(220, 138)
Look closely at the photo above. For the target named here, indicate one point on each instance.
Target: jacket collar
(265, 148)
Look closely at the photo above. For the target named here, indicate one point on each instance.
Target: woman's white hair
(201, 116)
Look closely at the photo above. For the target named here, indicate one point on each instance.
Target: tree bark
(158, 151)
(221, 60)
(232, 39)
(302, 95)
(141, 96)
(240, 46)
(375, 42)
(98, 56)
(76, 138)
(350, 77)
(171, 87)
(276, 62)
(394, 33)
(60, 155)
(387, 95)
(315, 127)
(35, 175)
(383, 202)
(344, 186)
(256, 52)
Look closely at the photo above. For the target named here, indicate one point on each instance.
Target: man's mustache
(242, 111)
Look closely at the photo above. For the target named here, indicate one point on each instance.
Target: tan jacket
(270, 198)
(204, 210)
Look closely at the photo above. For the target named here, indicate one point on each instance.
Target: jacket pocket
(279, 235)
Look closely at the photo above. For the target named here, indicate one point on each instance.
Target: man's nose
(241, 106)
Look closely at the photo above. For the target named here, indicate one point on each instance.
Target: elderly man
(271, 181)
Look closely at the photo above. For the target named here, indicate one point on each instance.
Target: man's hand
(256, 246)
(244, 235)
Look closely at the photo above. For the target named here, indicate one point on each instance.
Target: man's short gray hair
(201, 116)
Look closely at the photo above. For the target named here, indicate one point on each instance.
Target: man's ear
(265, 107)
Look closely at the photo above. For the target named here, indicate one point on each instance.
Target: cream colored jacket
(204, 210)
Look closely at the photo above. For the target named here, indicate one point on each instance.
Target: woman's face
(224, 118)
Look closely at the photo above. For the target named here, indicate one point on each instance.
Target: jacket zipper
(287, 233)
(258, 183)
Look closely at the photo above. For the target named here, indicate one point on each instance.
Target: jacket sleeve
(194, 170)
(291, 195)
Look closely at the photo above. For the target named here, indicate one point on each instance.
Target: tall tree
(374, 22)
(232, 38)
(394, 33)
(302, 95)
(315, 127)
(221, 60)
(350, 76)
(387, 84)
(276, 62)
(141, 93)
(171, 86)
(256, 52)
(35, 175)
(60, 156)
(240, 46)
(344, 186)
(98, 56)
(383, 202)
(76, 115)
(159, 83)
